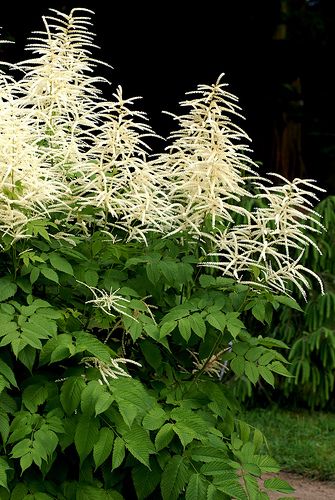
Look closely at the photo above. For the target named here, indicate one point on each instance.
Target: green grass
(300, 441)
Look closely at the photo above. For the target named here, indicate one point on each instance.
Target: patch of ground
(306, 488)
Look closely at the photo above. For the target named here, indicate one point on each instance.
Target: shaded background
(277, 56)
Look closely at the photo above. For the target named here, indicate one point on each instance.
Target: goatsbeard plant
(127, 284)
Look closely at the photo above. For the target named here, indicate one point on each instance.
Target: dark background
(160, 50)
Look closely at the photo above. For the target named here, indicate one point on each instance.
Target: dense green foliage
(311, 334)
(67, 435)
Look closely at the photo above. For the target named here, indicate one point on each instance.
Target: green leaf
(185, 433)
(89, 343)
(61, 264)
(206, 280)
(237, 365)
(138, 442)
(184, 326)
(279, 368)
(167, 328)
(207, 454)
(132, 399)
(152, 354)
(278, 485)
(91, 277)
(251, 371)
(21, 448)
(164, 436)
(252, 487)
(153, 271)
(189, 425)
(19, 492)
(50, 274)
(176, 313)
(4, 467)
(288, 301)
(215, 467)
(24, 284)
(184, 273)
(144, 488)
(86, 435)
(198, 325)
(103, 447)
(3, 383)
(233, 489)
(7, 372)
(56, 349)
(214, 494)
(254, 353)
(90, 395)
(46, 441)
(70, 394)
(196, 488)
(174, 478)
(266, 374)
(118, 453)
(258, 311)
(266, 463)
(266, 358)
(89, 492)
(217, 320)
(27, 357)
(35, 272)
(234, 325)
(4, 426)
(154, 419)
(33, 396)
(26, 461)
(258, 439)
(244, 431)
(103, 403)
(169, 271)
(7, 288)
(134, 329)
(30, 337)
(252, 469)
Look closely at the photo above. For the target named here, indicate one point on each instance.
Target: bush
(311, 334)
(126, 285)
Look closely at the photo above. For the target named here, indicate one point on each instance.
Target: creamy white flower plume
(208, 160)
(107, 302)
(119, 181)
(29, 188)
(111, 370)
(59, 90)
(267, 251)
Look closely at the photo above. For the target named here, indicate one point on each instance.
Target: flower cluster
(111, 370)
(68, 155)
(208, 161)
(269, 248)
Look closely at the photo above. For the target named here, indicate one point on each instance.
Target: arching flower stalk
(268, 250)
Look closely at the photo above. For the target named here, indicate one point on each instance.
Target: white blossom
(267, 251)
(111, 370)
(208, 160)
